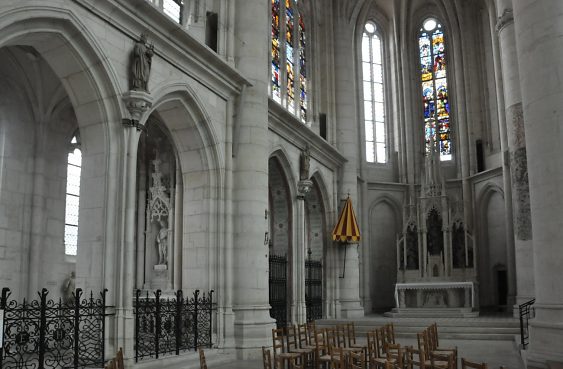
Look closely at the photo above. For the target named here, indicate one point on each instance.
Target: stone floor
(494, 353)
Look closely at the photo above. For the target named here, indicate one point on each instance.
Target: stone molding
(505, 19)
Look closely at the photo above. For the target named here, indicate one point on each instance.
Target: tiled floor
(494, 353)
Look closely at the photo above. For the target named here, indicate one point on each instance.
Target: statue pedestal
(160, 277)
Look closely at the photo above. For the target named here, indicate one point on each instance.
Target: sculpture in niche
(434, 237)
(304, 163)
(162, 243)
(458, 245)
(68, 288)
(141, 64)
(412, 247)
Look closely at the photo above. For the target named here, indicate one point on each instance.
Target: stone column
(539, 42)
(300, 313)
(137, 103)
(347, 143)
(253, 324)
(521, 255)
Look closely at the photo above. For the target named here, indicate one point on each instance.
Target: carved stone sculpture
(141, 64)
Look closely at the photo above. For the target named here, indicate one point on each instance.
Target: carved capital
(303, 187)
(505, 19)
(138, 103)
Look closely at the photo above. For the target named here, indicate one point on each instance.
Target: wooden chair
(293, 345)
(281, 353)
(395, 355)
(465, 364)
(390, 333)
(304, 338)
(337, 358)
(375, 358)
(322, 354)
(425, 354)
(357, 360)
(352, 337)
(434, 345)
(266, 358)
(441, 361)
(410, 358)
(202, 363)
(341, 335)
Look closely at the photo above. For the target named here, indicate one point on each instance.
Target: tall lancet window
(435, 88)
(74, 168)
(373, 94)
(288, 84)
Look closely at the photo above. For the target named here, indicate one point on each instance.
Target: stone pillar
(347, 143)
(521, 255)
(539, 41)
(300, 309)
(253, 324)
(137, 103)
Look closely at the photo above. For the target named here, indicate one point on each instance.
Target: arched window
(374, 99)
(288, 85)
(435, 88)
(74, 164)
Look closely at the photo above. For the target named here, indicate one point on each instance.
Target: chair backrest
(351, 334)
(330, 337)
(311, 329)
(291, 338)
(303, 336)
(390, 333)
(380, 341)
(278, 342)
(319, 341)
(432, 336)
(202, 363)
(266, 358)
(372, 346)
(341, 335)
(422, 340)
(468, 364)
(357, 360)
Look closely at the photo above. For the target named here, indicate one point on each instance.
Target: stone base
(432, 313)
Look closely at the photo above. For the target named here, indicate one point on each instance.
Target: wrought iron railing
(168, 326)
(314, 289)
(45, 333)
(527, 312)
(277, 280)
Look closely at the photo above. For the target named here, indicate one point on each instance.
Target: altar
(436, 294)
(436, 259)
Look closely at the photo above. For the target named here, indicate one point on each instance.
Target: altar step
(432, 312)
(480, 328)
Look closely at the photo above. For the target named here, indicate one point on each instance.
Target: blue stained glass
(429, 109)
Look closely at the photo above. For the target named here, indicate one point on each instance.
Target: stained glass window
(74, 168)
(373, 95)
(288, 84)
(434, 83)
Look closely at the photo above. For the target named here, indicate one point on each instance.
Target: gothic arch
(77, 60)
(201, 163)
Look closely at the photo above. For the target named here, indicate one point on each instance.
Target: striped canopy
(346, 230)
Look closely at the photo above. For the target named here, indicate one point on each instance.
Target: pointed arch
(58, 36)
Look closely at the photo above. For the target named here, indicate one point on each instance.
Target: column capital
(505, 19)
(138, 103)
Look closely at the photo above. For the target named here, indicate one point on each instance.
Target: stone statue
(68, 288)
(162, 244)
(304, 163)
(141, 65)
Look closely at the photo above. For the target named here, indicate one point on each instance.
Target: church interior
(177, 174)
